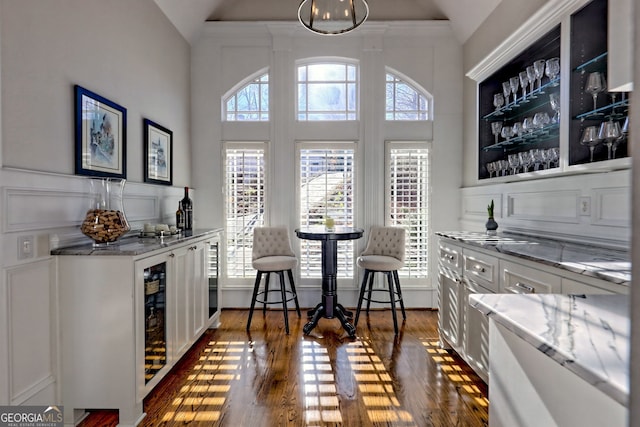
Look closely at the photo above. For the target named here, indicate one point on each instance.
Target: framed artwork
(101, 135)
(158, 153)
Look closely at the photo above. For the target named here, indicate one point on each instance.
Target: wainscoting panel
(553, 206)
(32, 331)
(612, 207)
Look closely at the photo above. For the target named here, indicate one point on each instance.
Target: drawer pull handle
(451, 257)
(479, 268)
(521, 288)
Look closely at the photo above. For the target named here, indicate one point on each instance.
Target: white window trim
(240, 85)
(345, 283)
(242, 282)
(327, 60)
(423, 282)
(416, 86)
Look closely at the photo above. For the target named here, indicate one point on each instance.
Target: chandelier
(332, 16)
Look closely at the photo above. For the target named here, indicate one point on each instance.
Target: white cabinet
(573, 287)
(449, 295)
(520, 279)
(104, 301)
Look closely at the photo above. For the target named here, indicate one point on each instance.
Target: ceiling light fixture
(332, 17)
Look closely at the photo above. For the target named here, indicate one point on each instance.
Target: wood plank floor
(267, 378)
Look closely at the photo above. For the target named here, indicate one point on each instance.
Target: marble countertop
(603, 263)
(587, 334)
(132, 244)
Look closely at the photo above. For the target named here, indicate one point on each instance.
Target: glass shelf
(601, 113)
(539, 135)
(599, 63)
(519, 108)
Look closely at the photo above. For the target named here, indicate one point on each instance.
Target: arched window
(327, 91)
(405, 100)
(249, 103)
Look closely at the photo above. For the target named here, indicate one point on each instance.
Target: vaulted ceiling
(188, 16)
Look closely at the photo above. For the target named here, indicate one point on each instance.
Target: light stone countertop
(132, 244)
(602, 263)
(587, 334)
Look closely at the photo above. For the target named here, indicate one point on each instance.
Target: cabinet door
(200, 299)
(181, 296)
(476, 333)
(450, 316)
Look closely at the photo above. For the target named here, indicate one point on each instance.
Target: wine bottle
(180, 217)
(187, 207)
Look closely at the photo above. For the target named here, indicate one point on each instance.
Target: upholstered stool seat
(384, 253)
(272, 253)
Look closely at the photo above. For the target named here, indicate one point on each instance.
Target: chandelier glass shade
(332, 17)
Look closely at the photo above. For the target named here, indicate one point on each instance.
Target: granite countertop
(132, 244)
(587, 334)
(603, 263)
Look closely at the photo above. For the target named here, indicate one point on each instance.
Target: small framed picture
(158, 153)
(101, 135)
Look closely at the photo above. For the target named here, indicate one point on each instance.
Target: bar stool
(384, 253)
(272, 253)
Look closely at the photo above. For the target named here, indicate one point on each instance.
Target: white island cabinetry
(129, 312)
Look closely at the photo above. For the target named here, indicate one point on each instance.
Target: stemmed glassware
(496, 128)
(514, 83)
(491, 168)
(498, 102)
(506, 133)
(624, 133)
(528, 127)
(524, 81)
(595, 84)
(554, 100)
(540, 120)
(536, 156)
(609, 132)
(514, 163)
(590, 139)
(526, 160)
(506, 90)
(531, 75)
(552, 69)
(516, 129)
(538, 68)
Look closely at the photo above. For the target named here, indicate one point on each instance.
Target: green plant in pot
(491, 224)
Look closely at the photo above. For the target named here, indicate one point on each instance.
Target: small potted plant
(491, 224)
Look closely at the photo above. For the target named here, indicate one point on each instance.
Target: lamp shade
(332, 16)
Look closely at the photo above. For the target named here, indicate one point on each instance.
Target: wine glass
(514, 163)
(540, 120)
(504, 167)
(554, 155)
(552, 69)
(528, 127)
(496, 128)
(516, 129)
(498, 102)
(538, 68)
(590, 139)
(506, 133)
(506, 91)
(525, 160)
(514, 82)
(554, 100)
(609, 132)
(624, 132)
(524, 81)
(595, 84)
(531, 75)
(491, 168)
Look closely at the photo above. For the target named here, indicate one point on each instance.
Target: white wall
(126, 51)
(426, 52)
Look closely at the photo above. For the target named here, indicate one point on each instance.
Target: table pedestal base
(338, 311)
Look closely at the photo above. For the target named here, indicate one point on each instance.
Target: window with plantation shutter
(407, 192)
(326, 183)
(245, 204)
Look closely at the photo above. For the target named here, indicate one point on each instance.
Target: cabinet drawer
(481, 268)
(450, 256)
(572, 287)
(520, 279)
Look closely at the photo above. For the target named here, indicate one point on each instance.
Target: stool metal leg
(256, 286)
(362, 289)
(283, 292)
(293, 289)
(266, 293)
(393, 301)
(370, 290)
(397, 279)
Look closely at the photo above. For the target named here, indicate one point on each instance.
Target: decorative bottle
(187, 207)
(180, 217)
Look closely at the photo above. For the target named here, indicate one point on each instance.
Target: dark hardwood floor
(267, 378)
